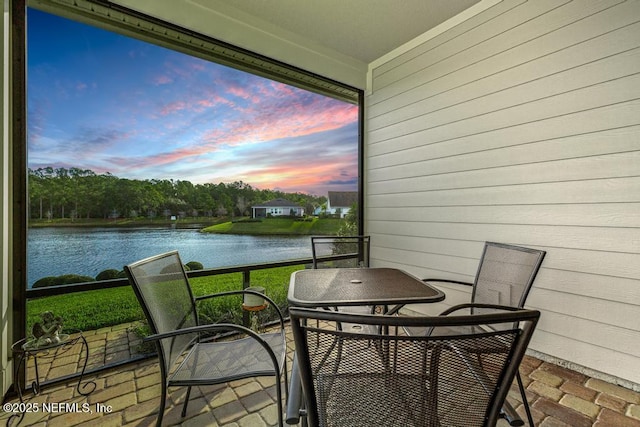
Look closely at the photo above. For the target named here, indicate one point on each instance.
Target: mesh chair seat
(220, 362)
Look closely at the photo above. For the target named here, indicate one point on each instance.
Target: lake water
(88, 251)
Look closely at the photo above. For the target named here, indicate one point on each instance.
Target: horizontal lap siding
(519, 125)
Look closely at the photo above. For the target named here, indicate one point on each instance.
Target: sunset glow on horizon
(105, 102)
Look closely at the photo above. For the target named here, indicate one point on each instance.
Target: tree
(349, 227)
(221, 211)
(241, 204)
(36, 192)
(75, 192)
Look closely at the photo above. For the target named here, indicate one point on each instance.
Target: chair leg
(524, 400)
(510, 414)
(286, 389)
(186, 401)
(163, 402)
(279, 405)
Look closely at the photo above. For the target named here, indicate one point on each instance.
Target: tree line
(60, 193)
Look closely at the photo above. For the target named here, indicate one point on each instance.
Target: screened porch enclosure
(514, 121)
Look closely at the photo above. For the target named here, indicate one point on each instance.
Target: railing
(115, 283)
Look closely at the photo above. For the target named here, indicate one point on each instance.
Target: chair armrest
(245, 291)
(478, 305)
(457, 282)
(217, 327)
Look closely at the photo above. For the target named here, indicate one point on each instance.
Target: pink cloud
(180, 70)
(239, 91)
(173, 107)
(205, 103)
(312, 178)
(256, 112)
(160, 159)
(219, 100)
(198, 66)
(162, 80)
(283, 121)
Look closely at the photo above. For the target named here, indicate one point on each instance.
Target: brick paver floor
(129, 395)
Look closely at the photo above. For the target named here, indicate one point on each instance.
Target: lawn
(107, 307)
(278, 226)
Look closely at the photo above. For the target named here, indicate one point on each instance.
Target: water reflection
(88, 251)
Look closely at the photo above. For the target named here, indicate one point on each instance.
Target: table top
(333, 287)
(27, 345)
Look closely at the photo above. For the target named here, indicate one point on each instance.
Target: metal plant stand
(254, 311)
(23, 350)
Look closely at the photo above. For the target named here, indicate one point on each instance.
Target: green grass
(107, 307)
(278, 226)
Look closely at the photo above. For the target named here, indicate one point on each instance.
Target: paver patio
(558, 396)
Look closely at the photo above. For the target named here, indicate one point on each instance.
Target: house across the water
(276, 207)
(340, 202)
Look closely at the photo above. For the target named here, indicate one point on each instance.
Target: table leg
(295, 404)
(16, 374)
(35, 385)
(20, 362)
(85, 347)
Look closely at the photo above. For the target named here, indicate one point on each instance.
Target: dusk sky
(101, 101)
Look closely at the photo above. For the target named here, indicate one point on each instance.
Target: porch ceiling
(360, 29)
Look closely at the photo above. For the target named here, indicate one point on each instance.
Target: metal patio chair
(505, 276)
(354, 251)
(428, 380)
(191, 354)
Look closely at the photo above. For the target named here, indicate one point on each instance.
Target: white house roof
(342, 199)
(277, 203)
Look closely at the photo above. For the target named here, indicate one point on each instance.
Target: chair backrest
(505, 274)
(353, 379)
(162, 288)
(355, 250)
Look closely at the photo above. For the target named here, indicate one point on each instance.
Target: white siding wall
(520, 125)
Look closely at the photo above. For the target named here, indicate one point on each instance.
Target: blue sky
(105, 102)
